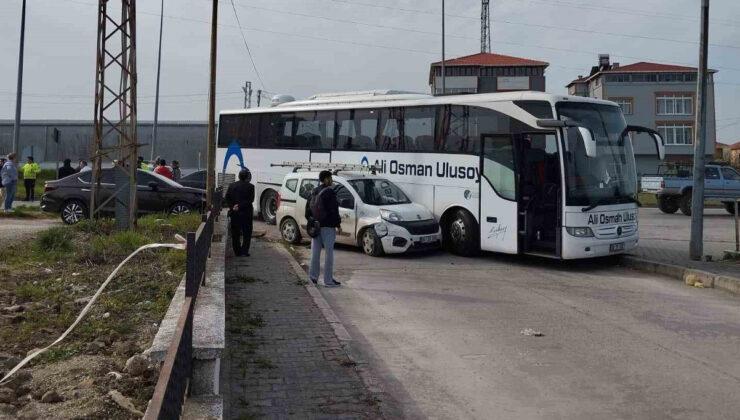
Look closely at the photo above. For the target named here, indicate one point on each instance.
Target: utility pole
(247, 94)
(19, 88)
(156, 99)
(115, 109)
(211, 158)
(444, 90)
(696, 248)
(485, 29)
(259, 97)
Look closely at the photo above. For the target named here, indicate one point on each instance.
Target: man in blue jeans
(324, 199)
(9, 175)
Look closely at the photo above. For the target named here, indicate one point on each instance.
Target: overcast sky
(302, 47)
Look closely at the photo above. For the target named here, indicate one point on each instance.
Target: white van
(376, 214)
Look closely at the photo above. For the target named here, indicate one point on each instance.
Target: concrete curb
(362, 365)
(677, 272)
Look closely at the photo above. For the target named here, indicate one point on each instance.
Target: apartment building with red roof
(661, 96)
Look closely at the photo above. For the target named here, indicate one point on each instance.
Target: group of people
(160, 167)
(9, 179)
(322, 213)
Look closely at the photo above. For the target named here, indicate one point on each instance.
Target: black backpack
(314, 212)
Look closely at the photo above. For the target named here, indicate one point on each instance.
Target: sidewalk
(283, 358)
(678, 254)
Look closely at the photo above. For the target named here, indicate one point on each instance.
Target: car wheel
(289, 231)
(268, 207)
(729, 207)
(461, 234)
(371, 244)
(668, 205)
(685, 203)
(180, 208)
(73, 211)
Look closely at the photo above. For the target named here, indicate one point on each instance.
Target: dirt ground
(45, 283)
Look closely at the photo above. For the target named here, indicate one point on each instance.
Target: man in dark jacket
(239, 198)
(324, 198)
(66, 170)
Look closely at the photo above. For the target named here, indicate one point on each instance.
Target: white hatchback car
(376, 214)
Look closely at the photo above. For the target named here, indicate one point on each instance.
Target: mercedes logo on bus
(619, 231)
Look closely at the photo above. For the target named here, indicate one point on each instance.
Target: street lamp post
(19, 88)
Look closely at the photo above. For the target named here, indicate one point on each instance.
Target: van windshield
(378, 192)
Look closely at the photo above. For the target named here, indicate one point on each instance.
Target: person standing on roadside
(324, 208)
(163, 170)
(30, 171)
(176, 171)
(66, 170)
(82, 167)
(142, 165)
(2, 187)
(240, 199)
(9, 174)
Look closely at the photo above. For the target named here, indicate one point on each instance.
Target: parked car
(196, 179)
(673, 189)
(376, 214)
(70, 196)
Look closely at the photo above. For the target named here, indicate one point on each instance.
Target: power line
(236, 15)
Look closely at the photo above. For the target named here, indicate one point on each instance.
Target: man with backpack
(324, 209)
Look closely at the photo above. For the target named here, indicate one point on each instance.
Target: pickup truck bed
(722, 183)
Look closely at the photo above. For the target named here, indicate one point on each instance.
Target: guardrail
(174, 378)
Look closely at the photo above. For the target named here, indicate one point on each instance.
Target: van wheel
(73, 211)
(685, 203)
(461, 234)
(289, 231)
(371, 244)
(268, 207)
(729, 207)
(668, 205)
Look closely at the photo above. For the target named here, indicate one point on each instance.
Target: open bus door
(498, 206)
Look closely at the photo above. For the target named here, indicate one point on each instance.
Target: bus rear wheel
(461, 234)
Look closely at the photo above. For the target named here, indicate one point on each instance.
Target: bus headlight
(580, 232)
(390, 216)
(381, 229)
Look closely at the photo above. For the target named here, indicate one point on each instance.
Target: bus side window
(390, 130)
(326, 123)
(419, 124)
(307, 135)
(277, 131)
(346, 132)
(498, 165)
(453, 129)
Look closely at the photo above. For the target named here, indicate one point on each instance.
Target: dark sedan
(70, 196)
(195, 179)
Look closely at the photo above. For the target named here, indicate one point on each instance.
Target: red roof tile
(491, 60)
(735, 146)
(651, 67)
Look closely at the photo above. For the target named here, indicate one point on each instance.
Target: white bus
(522, 172)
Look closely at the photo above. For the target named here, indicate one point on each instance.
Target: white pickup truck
(674, 188)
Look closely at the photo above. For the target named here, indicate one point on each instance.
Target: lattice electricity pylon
(485, 29)
(115, 110)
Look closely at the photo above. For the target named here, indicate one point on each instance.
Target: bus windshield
(610, 177)
(379, 192)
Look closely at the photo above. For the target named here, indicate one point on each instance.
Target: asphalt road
(673, 231)
(444, 334)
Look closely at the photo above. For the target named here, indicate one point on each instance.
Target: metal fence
(174, 378)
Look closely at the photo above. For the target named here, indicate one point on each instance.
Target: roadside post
(696, 247)
(55, 136)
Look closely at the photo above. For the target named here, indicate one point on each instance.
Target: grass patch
(347, 363)
(56, 239)
(54, 355)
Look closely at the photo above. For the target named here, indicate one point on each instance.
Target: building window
(644, 77)
(618, 78)
(677, 133)
(625, 103)
(679, 104)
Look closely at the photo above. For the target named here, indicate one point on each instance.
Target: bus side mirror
(659, 142)
(588, 141)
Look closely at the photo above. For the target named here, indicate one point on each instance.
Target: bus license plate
(616, 247)
(428, 239)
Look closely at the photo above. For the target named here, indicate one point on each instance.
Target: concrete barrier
(676, 272)
(209, 332)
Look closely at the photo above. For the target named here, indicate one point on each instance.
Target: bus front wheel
(268, 207)
(461, 234)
